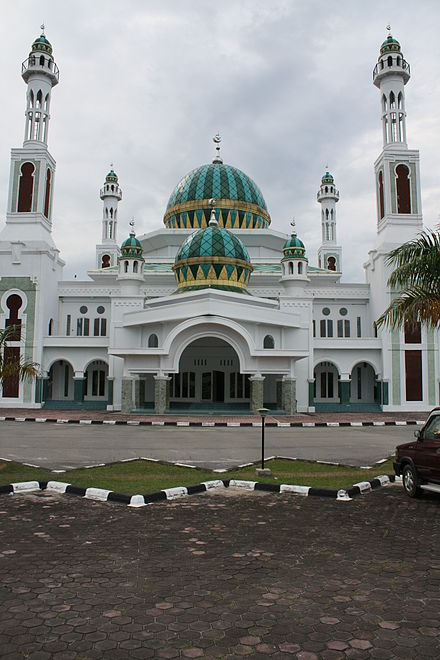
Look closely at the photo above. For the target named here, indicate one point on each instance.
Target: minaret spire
(329, 253)
(217, 158)
(107, 251)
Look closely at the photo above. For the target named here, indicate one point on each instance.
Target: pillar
(257, 395)
(311, 382)
(78, 389)
(127, 395)
(344, 383)
(289, 395)
(385, 395)
(161, 394)
(110, 382)
(137, 393)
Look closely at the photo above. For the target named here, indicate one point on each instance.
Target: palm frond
(415, 304)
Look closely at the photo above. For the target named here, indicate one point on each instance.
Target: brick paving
(220, 576)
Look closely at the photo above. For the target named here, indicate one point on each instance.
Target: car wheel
(410, 481)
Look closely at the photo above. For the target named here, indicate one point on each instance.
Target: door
(219, 386)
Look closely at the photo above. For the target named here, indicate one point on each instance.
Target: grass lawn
(144, 477)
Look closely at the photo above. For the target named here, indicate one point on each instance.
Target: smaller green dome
(327, 178)
(390, 45)
(294, 247)
(41, 43)
(132, 247)
(111, 177)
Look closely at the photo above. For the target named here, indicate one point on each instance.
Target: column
(161, 394)
(137, 393)
(311, 383)
(78, 387)
(344, 383)
(257, 398)
(127, 395)
(289, 395)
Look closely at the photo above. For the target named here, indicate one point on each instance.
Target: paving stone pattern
(220, 576)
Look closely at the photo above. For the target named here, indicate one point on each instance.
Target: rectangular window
(206, 385)
(359, 327)
(329, 328)
(359, 383)
(86, 327)
(68, 324)
(330, 381)
(66, 380)
(95, 382)
(340, 328)
(232, 385)
(247, 387)
(192, 384)
(322, 327)
(177, 385)
(101, 383)
(103, 327)
(79, 327)
(96, 327)
(185, 385)
(347, 328)
(314, 327)
(323, 384)
(413, 375)
(239, 386)
(413, 333)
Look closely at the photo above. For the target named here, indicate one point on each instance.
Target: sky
(146, 84)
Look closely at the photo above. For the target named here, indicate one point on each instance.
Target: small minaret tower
(131, 264)
(107, 252)
(294, 262)
(397, 170)
(31, 180)
(329, 253)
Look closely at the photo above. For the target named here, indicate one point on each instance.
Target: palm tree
(12, 367)
(416, 280)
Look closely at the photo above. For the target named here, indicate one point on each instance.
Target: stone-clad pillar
(137, 393)
(257, 392)
(161, 394)
(289, 395)
(127, 395)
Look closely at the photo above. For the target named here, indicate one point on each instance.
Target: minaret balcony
(40, 64)
(320, 195)
(110, 190)
(382, 69)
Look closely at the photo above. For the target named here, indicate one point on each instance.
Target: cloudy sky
(145, 84)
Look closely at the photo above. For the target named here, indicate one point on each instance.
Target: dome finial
(293, 225)
(389, 30)
(217, 158)
(42, 29)
(132, 231)
(213, 220)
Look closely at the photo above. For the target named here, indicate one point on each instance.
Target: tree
(416, 281)
(10, 366)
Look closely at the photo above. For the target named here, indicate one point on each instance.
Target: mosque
(214, 311)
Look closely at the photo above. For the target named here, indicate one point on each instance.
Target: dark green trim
(110, 391)
(344, 396)
(311, 391)
(78, 390)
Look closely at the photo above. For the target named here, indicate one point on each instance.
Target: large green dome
(212, 257)
(240, 204)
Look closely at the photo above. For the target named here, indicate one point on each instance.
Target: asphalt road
(58, 446)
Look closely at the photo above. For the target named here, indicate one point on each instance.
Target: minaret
(397, 170)
(294, 262)
(329, 253)
(107, 252)
(31, 180)
(131, 264)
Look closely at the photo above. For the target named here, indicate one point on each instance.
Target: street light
(263, 472)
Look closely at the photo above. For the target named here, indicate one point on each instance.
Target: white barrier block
(26, 485)
(173, 493)
(97, 494)
(299, 490)
(85, 421)
(137, 500)
(384, 479)
(238, 483)
(363, 485)
(133, 422)
(40, 419)
(213, 484)
(57, 486)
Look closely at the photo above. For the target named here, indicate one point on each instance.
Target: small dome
(390, 45)
(294, 247)
(327, 178)
(41, 43)
(132, 247)
(240, 204)
(111, 177)
(212, 257)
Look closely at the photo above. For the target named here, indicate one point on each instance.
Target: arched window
(268, 342)
(135, 266)
(331, 263)
(47, 193)
(153, 341)
(326, 189)
(111, 213)
(11, 384)
(403, 189)
(125, 266)
(381, 197)
(392, 101)
(113, 188)
(41, 60)
(390, 60)
(300, 268)
(26, 188)
(290, 268)
(50, 328)
(398, 61)
(105, 261)
(381, 64)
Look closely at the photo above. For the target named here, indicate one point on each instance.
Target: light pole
(263, 472)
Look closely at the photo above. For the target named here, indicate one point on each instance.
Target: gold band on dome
(212, 282)
(233, 204)
(192, 261)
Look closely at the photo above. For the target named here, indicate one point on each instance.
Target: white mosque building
(214, 311)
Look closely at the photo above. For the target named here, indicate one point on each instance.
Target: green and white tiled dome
(294, 248)
(327, 178)
(132, 247)
(212, 258)
(240, 204)
(42, 44)
(390, 45)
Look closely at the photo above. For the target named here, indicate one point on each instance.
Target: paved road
(216, 576)
(68, 446)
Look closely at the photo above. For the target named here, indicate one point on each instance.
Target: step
(433, 488)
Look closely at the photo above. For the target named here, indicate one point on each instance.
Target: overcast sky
(145, 84)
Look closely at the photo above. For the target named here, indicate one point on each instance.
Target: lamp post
(263, 472)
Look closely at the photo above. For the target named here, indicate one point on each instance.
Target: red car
(419, 461)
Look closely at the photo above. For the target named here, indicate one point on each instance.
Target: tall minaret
(107, 252)
(329, 253)
(399, 210)
(31, 180)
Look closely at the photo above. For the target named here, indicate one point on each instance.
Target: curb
(136, 501)
(135, 422)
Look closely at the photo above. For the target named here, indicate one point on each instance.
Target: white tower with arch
(329, 253)
(107, 252)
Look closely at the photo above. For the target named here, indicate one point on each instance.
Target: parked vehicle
(419, 461)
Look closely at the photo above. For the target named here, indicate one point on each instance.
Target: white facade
(126, 340)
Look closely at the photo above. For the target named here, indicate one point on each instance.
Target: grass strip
(143, 477)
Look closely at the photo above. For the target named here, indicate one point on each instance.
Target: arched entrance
(364, 387)
(58, 387)
(209, 378)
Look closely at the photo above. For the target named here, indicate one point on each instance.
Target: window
(326, 328)
(13, 303)
(343, 311)
(49, 330)
(68, 324)
(26, 188)
(183, 385)
(300, 268)
(343, 328)
(98, 382)
(314, 327)
(100, 309)
(331, 263)
(413, 375)
(82, 327)
(100, 327)
(402, 188)
(66, 380)
(47, 194)
(105, 261)
(83, 309)
(359, 326)
(326, 311)
(269, 342)
(239, 386)
(153, 341)
(381, 197)
(327, 385)
(359, 383)
(413, 333)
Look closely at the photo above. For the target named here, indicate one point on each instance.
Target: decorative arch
(269, 342)
(26, 188)
(403, 189)
(153, 341)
